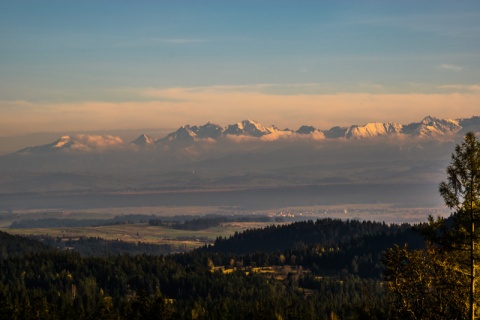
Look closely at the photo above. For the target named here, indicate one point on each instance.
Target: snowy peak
(428, 127)
(373, 130)
(432, 127)
(428, 120)
(183, 133)
(189, 133)
(63, 142)
(144, 140)
(207, 131)
(306, 130)
(249, 128)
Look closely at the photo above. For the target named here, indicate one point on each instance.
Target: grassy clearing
(142, 232)
(137, 232)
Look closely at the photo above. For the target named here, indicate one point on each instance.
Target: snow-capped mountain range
(429, 127)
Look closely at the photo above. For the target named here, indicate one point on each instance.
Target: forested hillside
(305, 270)
(325, 246)
(324, 232)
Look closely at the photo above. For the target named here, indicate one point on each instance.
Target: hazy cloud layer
(174, 107)
(231, 162)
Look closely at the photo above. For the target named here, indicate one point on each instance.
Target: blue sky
(91, 65)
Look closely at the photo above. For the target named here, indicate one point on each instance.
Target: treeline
(94, 246)
(69, 223)
(203, 223)
(323, 232)
(58, 223)
(13, 245)
(183, 222)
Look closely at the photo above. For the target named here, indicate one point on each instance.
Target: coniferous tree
(462, 194)
(446, 269)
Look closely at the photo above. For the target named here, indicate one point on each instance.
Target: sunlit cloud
(88, 143)
(277, 136)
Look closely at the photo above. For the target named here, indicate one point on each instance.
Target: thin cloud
(459, 24)
(461, 88)
(149, 42)
(276, 89)
(449, 67)
(475, 88)
(179, 41)
(453, 87)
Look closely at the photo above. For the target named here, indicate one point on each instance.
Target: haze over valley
(244, 166)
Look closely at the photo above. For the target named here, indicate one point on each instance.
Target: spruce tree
(461, 193)
(446, 269)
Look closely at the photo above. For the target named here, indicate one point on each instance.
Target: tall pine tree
(453, 244)
(461, 193)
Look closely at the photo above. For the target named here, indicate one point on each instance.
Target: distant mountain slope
(62, 143)
(431, 126)
(249, 128)
(144, 140)
(373, 130)
(81, 142)
(189, 133)
(470, 124)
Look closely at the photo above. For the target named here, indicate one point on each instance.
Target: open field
(142, 232)
(6, 218)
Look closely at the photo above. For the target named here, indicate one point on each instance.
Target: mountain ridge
(428, 128)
